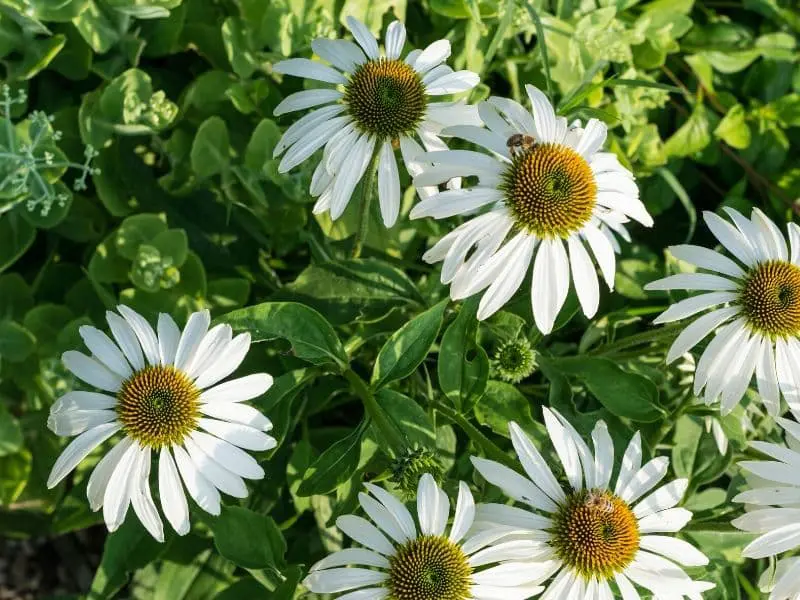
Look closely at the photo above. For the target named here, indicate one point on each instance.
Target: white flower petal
(435, 54)
(117, 497)
(699, 329)
(173, 500)
(228, 456)
(365, 533)
(342, 54)
(534, 464)
(101, 475)
(229, 360)
(200, 489)
(79, 449)
(388, 185)
(169, 336)
(144, 333)
(105, 351)
(142, 497)
(126, 339)
(346, 181)
(693, 305)
(216, 474)
(550, 283)
(91, 371)
(364, 37)
(309, 69)
(306, 98)
(453, 83)
(584, 276)
(242, 436)
(395, 40)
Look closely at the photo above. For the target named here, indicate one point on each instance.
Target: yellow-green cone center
(429, 568)
(550, 190)
(386, 98)
(596, 534)
(158, 406)
(771, 298)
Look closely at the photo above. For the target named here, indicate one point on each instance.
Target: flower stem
(388, 430)
(366, 202)
(645, 337)
(489, 448)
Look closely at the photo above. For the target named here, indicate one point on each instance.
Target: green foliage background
(188, 211)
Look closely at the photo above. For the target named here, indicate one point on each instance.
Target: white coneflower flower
(592, 534)
(773, 511)
(545, 192)
(406, 560)
(758, 325)
(380, 101)
(158, 394)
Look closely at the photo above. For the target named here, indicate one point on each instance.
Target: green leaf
(15, 470)
(16, 342)
(463, 365)
(126, 550)
(624, 394)
(10, 433)
(211, 148)
(16, 236)
(334, 466)
(502, 403)
(405, 350)
(137, 230)
(692, 137)
(249, 539)
(408, 417)
(359, 288)
(311, 336)
(15, 296)
(261, 145)
(173, 245)
(238, 47)
(733, 128)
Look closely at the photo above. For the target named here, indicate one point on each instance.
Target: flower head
(592, 534)
(514, 360)
(161, 393)
(406, 560)
(755, 302)
(379, 102)
(772, 511)
(545, 192)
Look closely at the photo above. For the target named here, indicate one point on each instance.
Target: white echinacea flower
(157, 393)
(406, 560)
(755, 302)
(591, 533)
(379, 102)
(773, 505)
(545, 192)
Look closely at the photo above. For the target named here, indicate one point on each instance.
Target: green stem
(489, 448)
(366, 202)
(388, 430)
(645, 337)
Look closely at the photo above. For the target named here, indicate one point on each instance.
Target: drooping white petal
(78, 449)
(101, 475)
(388, 185)
(173, 500)
(395, 39)
(142, 496)
(200, 489)
(584, 276)
(117, 497)
(550, 283)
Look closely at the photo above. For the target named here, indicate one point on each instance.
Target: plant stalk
(367, 184)
(375, 412)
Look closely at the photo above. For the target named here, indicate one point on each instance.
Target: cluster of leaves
(185, 209)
